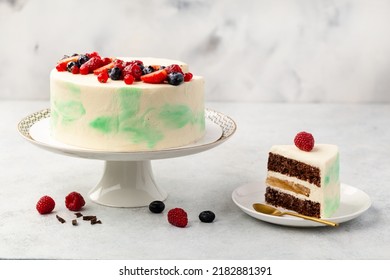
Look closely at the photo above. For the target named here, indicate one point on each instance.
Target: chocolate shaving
(94, 221)
(74, 222)
(78, 214)
(61, 220)
(88, 218)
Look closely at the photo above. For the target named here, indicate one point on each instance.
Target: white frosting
(118, 117)
(326, 158)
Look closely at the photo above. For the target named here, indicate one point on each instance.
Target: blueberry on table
(207, 216)
(156, 206)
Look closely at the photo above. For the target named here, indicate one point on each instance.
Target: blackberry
(115, 73)
(82, 59)
(156, 206)
(147, 70)
(175, 78)
(207, 216)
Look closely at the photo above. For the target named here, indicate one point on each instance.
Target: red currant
(129, 79)
(103, 77)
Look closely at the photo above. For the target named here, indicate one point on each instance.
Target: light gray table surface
(203, 181)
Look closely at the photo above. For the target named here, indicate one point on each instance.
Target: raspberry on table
(177, 217)
(304, 141)
(45, 205)
(74, 201)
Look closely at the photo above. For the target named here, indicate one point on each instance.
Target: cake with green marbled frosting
(304, 181)
(117, 115)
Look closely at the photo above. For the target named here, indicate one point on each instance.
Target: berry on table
(304, 141)
(177, 217)
(175, 78)
(156, 206)
(45, 205)
(74, 201)
(207, 216)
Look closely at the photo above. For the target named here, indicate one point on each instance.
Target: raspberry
(187, 77)
(128, 79)
(135, 70)
(74, 201)
(61, 67)
(174, 68)
(103, 77)
(45, 205)
(304, 141)
(177, 217)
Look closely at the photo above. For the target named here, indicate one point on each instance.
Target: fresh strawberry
(174, 68)
(74, 201)
(304, 141)
(187, 77)
(177, 217)
(45, 205)
(69, 59)
(128, 79)
(102, 77)
(92, 64)
(104, 68)
(156, 77)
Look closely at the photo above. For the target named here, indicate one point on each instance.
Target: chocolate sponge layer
(304, 207)
(293, 168)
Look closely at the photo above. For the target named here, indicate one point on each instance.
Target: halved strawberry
(68, 59)
(104, 68)
(156, 77)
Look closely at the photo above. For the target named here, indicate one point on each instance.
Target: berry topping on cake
(175, 78)
(156, 77)
(177, 217)
(92, 64)
(156, 206)
(115, 73)
(118, 69)
(128, 79)
(103, 77)
(304, 141)
(207, 216)
(74, 201)
(188, 77)
(174, 68)
(45, 205)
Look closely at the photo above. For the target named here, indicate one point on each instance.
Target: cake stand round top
(35, 129)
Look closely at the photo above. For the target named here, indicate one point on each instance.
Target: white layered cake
(304, 181)
(133, 116)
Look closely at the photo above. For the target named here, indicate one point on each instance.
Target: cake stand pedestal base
(127, 184)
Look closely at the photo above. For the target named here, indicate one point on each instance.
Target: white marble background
(279, 51)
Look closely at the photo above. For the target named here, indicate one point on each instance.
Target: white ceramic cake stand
(127, 180)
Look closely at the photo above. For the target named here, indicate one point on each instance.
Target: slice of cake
(304, 177)
(125, 103)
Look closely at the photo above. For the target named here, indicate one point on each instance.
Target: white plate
(353, 202)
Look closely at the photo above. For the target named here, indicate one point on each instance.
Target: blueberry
(175, 78)
(115, 73)
(72, 64)
(82, 59)
(156, 206)
(147, 70)
(207, 216)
